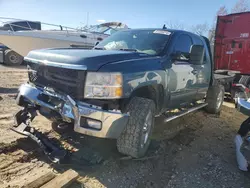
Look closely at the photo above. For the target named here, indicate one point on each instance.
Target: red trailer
(232, 42)
(232, 46)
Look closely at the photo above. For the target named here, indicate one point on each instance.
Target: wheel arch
(154, 92)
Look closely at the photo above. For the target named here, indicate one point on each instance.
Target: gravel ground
(194, 151)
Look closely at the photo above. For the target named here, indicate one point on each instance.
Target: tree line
(209, 29)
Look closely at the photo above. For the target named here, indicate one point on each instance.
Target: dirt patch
(194, 151)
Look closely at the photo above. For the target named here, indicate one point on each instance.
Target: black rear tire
(12, 58)
(215, 98)
(135, 138)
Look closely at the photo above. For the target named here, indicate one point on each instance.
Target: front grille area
(63, 80)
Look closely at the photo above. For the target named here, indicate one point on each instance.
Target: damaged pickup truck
(118, 88)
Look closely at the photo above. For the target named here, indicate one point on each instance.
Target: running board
(184, 112)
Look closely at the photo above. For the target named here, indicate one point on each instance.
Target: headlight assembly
(103, 85)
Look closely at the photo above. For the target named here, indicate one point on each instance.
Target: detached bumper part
(88, 119)
(23, 119)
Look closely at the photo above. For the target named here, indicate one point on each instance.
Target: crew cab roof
(153, 29)
(172, 31)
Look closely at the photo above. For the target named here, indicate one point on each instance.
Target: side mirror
(197, 53)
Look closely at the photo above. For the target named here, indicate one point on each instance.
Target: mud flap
(23, 119)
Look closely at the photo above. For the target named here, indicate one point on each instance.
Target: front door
(203, 71)
(182, 76)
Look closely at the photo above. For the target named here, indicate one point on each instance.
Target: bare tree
(211, 33)
(240, 6)
(174, 25)
(200, 29)
(222, 11)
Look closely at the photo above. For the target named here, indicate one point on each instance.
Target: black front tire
(12, 58)
(135, 138)
(215, 98)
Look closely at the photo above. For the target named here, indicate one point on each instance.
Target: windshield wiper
(99, 48)
(121, 49)
(128, 49)
(133, 50)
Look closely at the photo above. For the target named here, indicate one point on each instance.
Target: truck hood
(75, 57)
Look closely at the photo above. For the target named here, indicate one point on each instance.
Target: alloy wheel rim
(146, 129)
(219, 99)
(13, 58)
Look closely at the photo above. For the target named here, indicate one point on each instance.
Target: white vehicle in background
(21, 36)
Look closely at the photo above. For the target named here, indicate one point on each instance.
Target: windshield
(21, 26)
(150, 42)
(107, 28)
(98, 28)
(103, 29)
